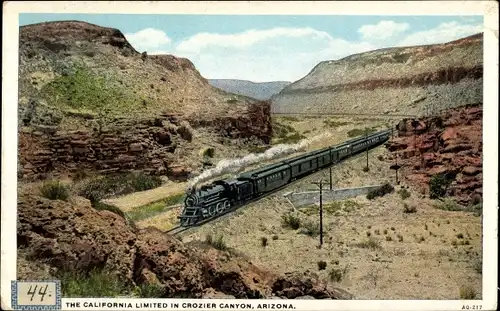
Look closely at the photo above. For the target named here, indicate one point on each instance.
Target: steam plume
(227, 166)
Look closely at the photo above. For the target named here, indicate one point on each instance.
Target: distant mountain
(261, 91)
(400, 80)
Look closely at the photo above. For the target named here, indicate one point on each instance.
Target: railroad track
(178, 229)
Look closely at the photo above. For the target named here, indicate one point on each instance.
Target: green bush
(291, 220)
(95, 283)
(336, 275)
(409, 209)
(322, 265)
(404, 194)
(55, 190)
(151, 291)
(438, 185)
(217, 243)
(310, 228)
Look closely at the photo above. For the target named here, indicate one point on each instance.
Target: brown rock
(135, 147)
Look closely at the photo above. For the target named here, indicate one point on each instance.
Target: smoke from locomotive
(228, 166)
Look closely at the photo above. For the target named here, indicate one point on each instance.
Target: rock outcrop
(73, 235)
(450, 144)
(391, 81)
(88, 100)
(141, 144)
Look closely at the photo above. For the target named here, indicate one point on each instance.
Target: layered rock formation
(395, 80)
(450, 144)
(72, 235)
(143, 144)
(89, 100)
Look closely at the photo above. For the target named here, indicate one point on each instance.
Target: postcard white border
(489, 9)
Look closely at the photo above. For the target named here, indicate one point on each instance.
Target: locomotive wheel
(227, 204)
(212, 211)
(220, 208)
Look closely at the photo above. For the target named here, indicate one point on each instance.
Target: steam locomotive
(219, 197)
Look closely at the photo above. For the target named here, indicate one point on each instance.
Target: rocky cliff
(395, 80)
(449, 144)
(88, 99)
(74, 236)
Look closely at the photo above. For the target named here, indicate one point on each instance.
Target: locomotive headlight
(191, 200)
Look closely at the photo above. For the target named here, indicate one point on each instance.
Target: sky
(263, 48)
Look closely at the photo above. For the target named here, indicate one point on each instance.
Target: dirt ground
(429, 254)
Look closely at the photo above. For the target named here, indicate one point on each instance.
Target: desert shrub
(96, 283)
(55, 190)
(322, 265)
(208, 152)
(310, 228)
(409, 209)
(467, 292)
(400, 238)
(217, 243)
(368, 234)
(377, 231)
(460, 236)
(291, 220)
(370, 243)
(388, 238)
(336, 275)
(385, 231)
(80, 174)
(438, 185)
(404, 194)
(380, 191)
(151, 291)
(275, 237)
(366, 169)
(263, 241)
(141, 181)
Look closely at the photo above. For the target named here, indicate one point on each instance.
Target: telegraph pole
(331, 186)
(320, 213)
(366, 136)
(320, 183)
(397, 168)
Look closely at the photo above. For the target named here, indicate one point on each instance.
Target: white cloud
(147, 39)
(383, 30)
(265, 55)
(245, 39)
(444, 32)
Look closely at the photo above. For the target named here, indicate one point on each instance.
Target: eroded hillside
(87, 99)
(394, 80)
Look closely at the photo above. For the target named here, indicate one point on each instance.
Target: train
(212, 200)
